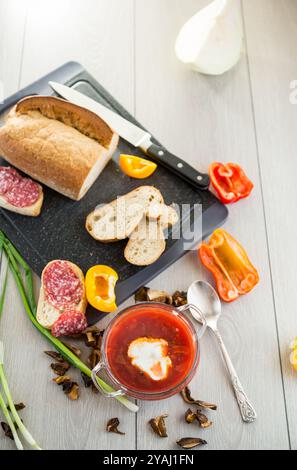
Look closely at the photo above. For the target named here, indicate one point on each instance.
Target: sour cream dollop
(151, 357)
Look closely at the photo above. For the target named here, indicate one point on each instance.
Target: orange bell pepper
(136, 167)
(100, 288)
(228, 262)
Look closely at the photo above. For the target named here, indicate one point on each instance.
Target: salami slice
(71, 322)
(16, 190)
(62, 286)
(24, 193)
(8, 178)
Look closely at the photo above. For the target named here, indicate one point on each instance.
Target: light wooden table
(245, 116)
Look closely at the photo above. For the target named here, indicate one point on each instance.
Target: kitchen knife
(135, 136)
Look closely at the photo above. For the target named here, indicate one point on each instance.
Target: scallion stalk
(26, 434)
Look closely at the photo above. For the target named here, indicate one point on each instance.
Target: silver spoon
(202, 295)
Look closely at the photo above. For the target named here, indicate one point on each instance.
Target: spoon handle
(248, 413)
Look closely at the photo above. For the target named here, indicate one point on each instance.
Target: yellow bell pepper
(136, 167)
(293, 356)
(100, 288)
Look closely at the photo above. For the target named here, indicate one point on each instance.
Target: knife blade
(135, 136)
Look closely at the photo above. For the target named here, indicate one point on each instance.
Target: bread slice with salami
(62, 300)
(57, 143)
(18, 194)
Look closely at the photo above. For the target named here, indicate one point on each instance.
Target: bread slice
(146, 244)
(166, 215)
(118, 219)
(31, 211)
(47, 314)
(57, 143)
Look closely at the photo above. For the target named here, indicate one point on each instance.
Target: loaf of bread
(57, 143)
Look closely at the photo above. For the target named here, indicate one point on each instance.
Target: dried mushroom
(186, 394)
(55, 355)
(191, 442)
(93, 337)
(18, 406)
(62, 379)
(190, 416)
(112, 426)
(145, 294)
(94, 358)
(141, 295)
(60, 368)
(203, 420)
(86, 380)
(7, 430)
(158, 425)
(159, 296)
(76, 351)
(179, 299)
(71, 389)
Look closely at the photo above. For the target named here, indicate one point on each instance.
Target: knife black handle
(178, 166)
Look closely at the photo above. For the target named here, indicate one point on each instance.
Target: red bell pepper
(230, 182)
(228, 262)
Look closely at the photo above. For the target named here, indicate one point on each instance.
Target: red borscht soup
(151, 349)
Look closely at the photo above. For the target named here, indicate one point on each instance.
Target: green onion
(27, 295)
(26, 434)
(10, 423)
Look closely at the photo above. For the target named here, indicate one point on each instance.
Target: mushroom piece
(203, 420)
(186, 394)
(60, 368)
(159, 296)
(71, 389)
(62, 379)
(112, 426)
(190, 416)
(179, 298)
(191, 442)
(94, 358)
(158, 425)
(55, 355)
(7, 430)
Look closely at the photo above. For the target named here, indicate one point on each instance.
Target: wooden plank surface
(273, 66)
(206, 119)
(129, 47)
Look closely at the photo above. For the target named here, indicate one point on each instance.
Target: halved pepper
(230, 182)
(229, 263)
(136, 167)
(100, 288)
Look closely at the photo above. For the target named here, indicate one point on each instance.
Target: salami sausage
(62, 286)
(8, 178)
(16, 190)
(71, 322)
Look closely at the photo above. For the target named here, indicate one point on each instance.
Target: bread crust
(57, 144)
(43, 304)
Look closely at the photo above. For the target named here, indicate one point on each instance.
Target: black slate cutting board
(59, 232)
